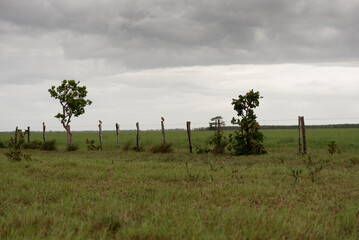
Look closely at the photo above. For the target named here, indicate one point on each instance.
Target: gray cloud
(157, 34)
(184, 59)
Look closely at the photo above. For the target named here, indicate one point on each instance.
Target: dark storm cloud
(162, 33)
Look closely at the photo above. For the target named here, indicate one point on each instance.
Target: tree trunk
(70, 141)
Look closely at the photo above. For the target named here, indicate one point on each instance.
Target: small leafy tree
(248, 140)
(214, 122)
(15, 153)
(73, 102)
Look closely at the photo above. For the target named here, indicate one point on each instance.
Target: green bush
(15, 154)
(91, 145)
(218, 141)
(36, 144)
(127, 147)
(333, 148)
(162, 148)
(136, 149)
(200, 150)
(49, 145)
(4, 144)
(72, 147)
(248, 140)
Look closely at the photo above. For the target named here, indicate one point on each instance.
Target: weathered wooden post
(189, 136)
(118, 135)
(138, 137)
(100, 133)
(219, 126)
(163, 131)
(16, 133)
(299, 137)
(28, 134)
(304, 136)
(43, 131)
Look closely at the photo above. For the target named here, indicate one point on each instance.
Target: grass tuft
(162, 148)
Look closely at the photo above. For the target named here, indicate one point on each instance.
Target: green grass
(347, 139)
(113, 194)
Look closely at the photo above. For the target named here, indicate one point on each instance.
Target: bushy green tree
(73, 100)
(248, 140)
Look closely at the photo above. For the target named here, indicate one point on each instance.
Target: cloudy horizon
(184, 60)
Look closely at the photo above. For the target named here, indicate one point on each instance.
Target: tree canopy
(72, 98)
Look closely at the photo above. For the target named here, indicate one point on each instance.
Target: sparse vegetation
(137, 195)
(333, 148)
(91, 145)
(127, 146)
(49, 145)
(72, 147)
(15, 154)
(3, 144)
(36, 144)
(162, 148)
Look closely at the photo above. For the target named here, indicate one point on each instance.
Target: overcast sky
(184, 60)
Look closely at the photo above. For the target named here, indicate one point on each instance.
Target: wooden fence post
(43, 131)
(299, 130)
(218, 126)
(304, 136)
(118, 135)
(16, 133)
(138, 137)
(28, 134)
(100, 133)
(163, 131)
(189, 136)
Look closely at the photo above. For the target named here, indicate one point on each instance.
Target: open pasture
(274, 140)
(115, 194)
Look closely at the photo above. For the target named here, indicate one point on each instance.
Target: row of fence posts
(138, 139)
(301, 138)
(28, 133)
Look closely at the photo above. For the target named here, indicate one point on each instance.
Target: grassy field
(115, 194)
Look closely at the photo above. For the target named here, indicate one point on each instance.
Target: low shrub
(48, 145)
(15, 154)
(72, 147)
(136, 149)
(200, 150)
(218, 142)
(127, 147)
(333, 148)
(353, 160)
(162, 148)
(36, 144)
(4, 144)
(91, 145)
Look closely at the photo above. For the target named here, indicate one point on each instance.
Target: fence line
(182, 125)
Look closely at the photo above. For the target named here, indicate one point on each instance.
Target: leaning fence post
(118, 135)
(100, 133)
(218, 126)
(43, 131)
(28, 134)
(16, 133)
(189, 136)
(163, 131)
(138, 137)
(299, 137)
(304, 136)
